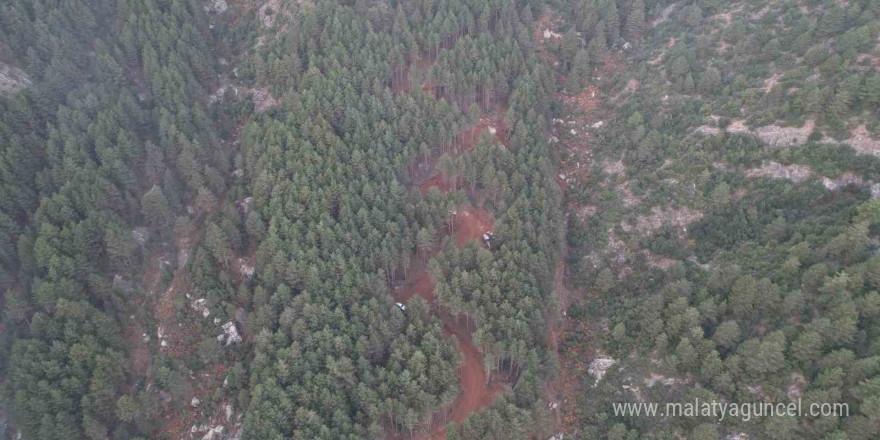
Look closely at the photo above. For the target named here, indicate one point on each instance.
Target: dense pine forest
(459, 219)
(209, 210)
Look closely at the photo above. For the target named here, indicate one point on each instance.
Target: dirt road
(475, 394)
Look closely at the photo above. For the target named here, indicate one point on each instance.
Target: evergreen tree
(635, 21)
(580, 72)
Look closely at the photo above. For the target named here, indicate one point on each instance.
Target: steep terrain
(708, 212)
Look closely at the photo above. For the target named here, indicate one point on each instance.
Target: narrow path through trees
(475, 393)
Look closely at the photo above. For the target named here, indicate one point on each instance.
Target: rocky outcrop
(216, 6)
(599, 366)
(796, 173)
(12, 79)
(230, 334)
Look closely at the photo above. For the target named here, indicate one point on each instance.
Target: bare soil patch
(775, 135)
(664, 16)
(587, 101)
(472, 224)
(678, 218)
(861, 141)
(795, 173)
(476, 391)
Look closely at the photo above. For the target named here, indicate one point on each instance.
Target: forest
(459, 219)
(155, 186)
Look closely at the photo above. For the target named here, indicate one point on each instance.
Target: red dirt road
(437, 181)
(475, 394)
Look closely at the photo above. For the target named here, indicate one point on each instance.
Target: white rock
(598, 125)
(213, 433)
(550, 34)
(599, 366)
(230, 334)
(140, 235)
(246, 269)
(201, 305)
(216, 6)
(245, 204)
(12, 79)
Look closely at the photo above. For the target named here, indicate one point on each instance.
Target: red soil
(466, 141)
(437, 181)
(469, 138)
(421, 285)
(472, 224)
(587, 101)
(475, 393)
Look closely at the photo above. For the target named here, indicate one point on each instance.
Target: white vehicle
(401, 306)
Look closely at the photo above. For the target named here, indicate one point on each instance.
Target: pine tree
(612, 22)
(154, 207)
(218, 243)
(598, 45)
(635, 21)
(569, 47)
(580, 72)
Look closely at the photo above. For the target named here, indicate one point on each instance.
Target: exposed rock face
(550, 34)
(230, 334)
(664, 380)
(140, 235)
(795, 173)
(861, 141)
(775, 135)
(201, 305)
(12, 79)
(678, 218)
(599, 366)
(799, 173)
(216, 6)
(263, 100)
